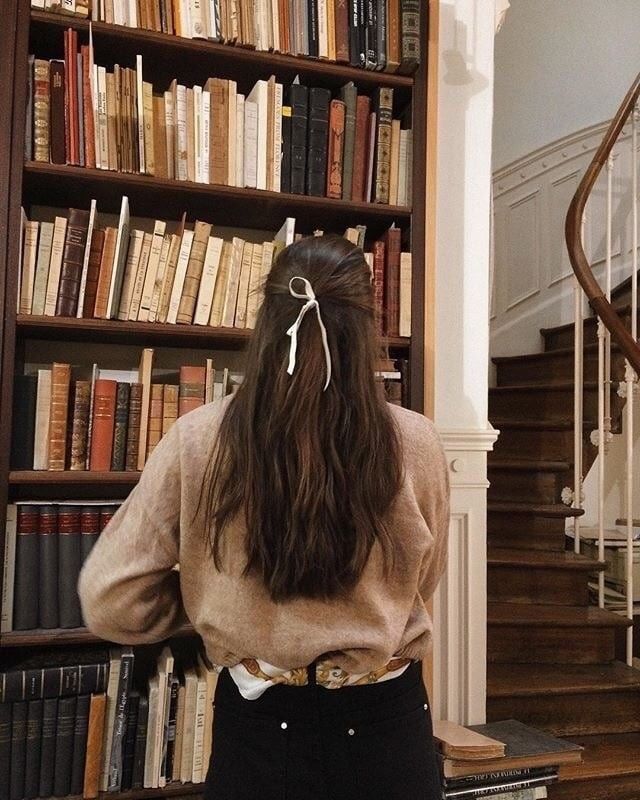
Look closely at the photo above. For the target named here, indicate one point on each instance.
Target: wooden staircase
(554, 660)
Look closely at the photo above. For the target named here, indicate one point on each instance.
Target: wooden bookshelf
(23, 338)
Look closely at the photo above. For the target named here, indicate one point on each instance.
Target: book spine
(55, 265)
(381, 34)
(57, 113)
(58, 413)
(80, 425)
(405, 294)
(335, 154)
(5, 749)
(192, 383)
(410, 54)
(80, 732)
(120, 721)
(383, 145)
(95, 734)
(129, 741)
(118, 457)
(154, 430)
(104, 409)
(350, 99)
(137, 776)
(378, 284)
(9, 569)
(69, 559)
(370, 32)
(64, 746)
(317, 141)
(298, 100)
(26, 571)
(42, 268)
(48, 746)
(18, 750)
(133, 427)
(285, 168)
(89, 530)
(342, 31)
(48, 567)
(33, 748)
(41, 112)
(25, 391)
(93, 271)
(87, 109)
(72, 261)
(392, 282)
(193, 276)
(169, 406)
(29, 254)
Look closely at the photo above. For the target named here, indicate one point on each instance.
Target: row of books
(294, 139)
(83, 722)
(103, 420)
(72, 267)
(46, 545)
(380, 35)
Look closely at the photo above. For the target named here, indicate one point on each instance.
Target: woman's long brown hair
(313, 472)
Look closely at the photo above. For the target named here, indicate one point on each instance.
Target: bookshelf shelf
(46, 477)
(144, 333)
(234, 62)
(173, 790)
(62, 185)
(63, 636)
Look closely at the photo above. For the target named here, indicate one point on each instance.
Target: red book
(191, 394)
(67, 96)
(378, 283)
(73, 115)
(392, 282)
(342, 31)
(336, 149)
(361, 150)
(104, 414)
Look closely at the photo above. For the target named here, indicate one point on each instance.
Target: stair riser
(548, 645)
(554, 369)
(552, 405)
(554, 340)
(525, 486)
(528, 585)
(608, 788)
(533, 444)
(526, 526)
(525, 540)
(571, 714)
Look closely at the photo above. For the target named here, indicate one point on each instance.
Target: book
(144, 379)
(41, 110)
(154, 432)
(133, 427)
(58, 414)
(47, 571)
(410, 54)
(404, 328)
(240, 318)
(317, 141)
(27, 559)
(298, 100)
(121, 419)
(65, 724)
(18, 749)
(391, 282)
(335, 148)
(28, 266)
(33, 741)
(25, 393)
(148, 284)
(192, 387)
(41, 427)
(233, 281)
(193, 274)
(79, 753)
(358, 178)
(384, 111)
(115, 766)
(55, 265)
(103, 422)
(45, 242)
(69, 562)
(457, 741)
(8, 573)
(48, 746)
(95, 733)
(207, 285)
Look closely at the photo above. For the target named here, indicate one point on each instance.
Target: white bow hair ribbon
(312, 302)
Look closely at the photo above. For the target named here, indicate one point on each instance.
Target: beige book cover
(193, 276)
(144, 377)
(149, 135)
(141, 271)
(181, 272)
(191, 153)
(394, 163)
(152, 270)
(240, 319)
(159, 281)
(233, 282)
(168, 278)
(28, 266)
(208, 281)
(405, 294)
(220, 292)
(254, 298)
(55, 265)
(136, 238)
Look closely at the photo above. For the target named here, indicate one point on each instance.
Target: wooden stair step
(539, 615)
(534, 509)
(540, 424)
(528, 680)
(563, 334)
(560, 386)
(546, 355)
(541, 559)
(526, 465)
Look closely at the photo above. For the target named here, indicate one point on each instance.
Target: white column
(465, 107)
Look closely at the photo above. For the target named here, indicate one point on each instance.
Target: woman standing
(310, 521)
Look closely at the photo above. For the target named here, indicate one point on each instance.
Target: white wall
(560, 66)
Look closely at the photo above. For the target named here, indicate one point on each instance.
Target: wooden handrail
(573, 227)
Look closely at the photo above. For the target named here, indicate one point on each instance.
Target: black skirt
(370, 742)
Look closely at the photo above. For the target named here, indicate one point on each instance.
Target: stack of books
(46, 545)
(175, 273)
(292, 138)
(381, 35)
(506, 760)
(83, 722)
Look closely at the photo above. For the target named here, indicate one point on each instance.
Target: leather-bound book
(159, 137)
(393, 246)
(80, 732)
(285, 167)
(130, 740)
(72, 261)
(41, 110)
(317, 141)
(342, 30)
(104, 412)
(384, 112)
(74, 116)
(5, 748)
(95, 733)
(25, 597)
(141, 743)
(312, 27)
(69, 560)
(56, 116)
(336, 149)
(48, 746)
(87, 110)
(33, 747)
(58, 415)
(381, 34)
(393, 36)
(64, 746)
(358, 178)
(370, 34)
(119, 454)
(48, 567)
(349, 96)
(80, 424)
(192, 385)
(133, 427)
(25, 392)
(201, 232)
(106, 515)
(378, 283)
(298, 100)
(409, 36)
(354, 32)
(93, 271)
(105, 274)
(28, 122)
(169, 406)
(18, 750)
(154, 431)
(89, 530)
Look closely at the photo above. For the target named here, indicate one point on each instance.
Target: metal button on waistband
(426, 706)
(284, 726)
(350, 731)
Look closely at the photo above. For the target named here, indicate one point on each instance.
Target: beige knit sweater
(131, 592)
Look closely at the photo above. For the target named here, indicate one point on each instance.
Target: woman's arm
(129, 587)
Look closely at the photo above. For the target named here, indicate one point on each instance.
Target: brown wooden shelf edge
(64, 636)
(172, 790)
(49, 477)
(246, 56)
(106, 330)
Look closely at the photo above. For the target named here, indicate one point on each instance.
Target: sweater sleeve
(435, 507)
(129, 586)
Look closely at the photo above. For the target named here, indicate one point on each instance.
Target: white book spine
(323, 35)
(231, 135)
(119, 260)
(277, 137)
(275, 20)
(402, 169)
(185, 15)
(140, 108)
(259, 96)
(103, 128)
(57, 250)
(42, 268)
(186, 761)
(30, 251)
(205, 123)
(162, 266)
(153, 693)
(133, 14)
(214, 19)
(85, 260)
(170, 133)
(197, 22)
(43, 403)
(250, 143)
(9, 569)
(239, 140)
(152, 270)
(198, 737)
(131, 270)
(181, 271)
(409, 170)
(240, 318)
(181, 132)
(197, 131)
(37, 3)
(231, 297)
(119, 12)
(208, 282)
(141, 271)
(69, 6)
(255, 279)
